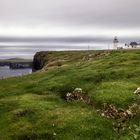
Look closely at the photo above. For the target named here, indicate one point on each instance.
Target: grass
(33, 107)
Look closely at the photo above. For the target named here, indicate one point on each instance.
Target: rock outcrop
(40, 60)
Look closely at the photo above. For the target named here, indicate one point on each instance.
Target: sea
(6, 72)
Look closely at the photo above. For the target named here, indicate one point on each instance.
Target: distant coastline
(16, 63)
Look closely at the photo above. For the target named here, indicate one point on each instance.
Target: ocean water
(5, 72)
(25, 50)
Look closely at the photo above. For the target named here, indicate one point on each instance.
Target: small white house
(133, 45)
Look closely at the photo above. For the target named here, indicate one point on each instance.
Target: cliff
(39, 61)
(46, 59)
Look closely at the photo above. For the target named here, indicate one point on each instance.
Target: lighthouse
(115, 42)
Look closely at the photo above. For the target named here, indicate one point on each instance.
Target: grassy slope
(32, 107)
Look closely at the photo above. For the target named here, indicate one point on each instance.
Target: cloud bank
(64, 24)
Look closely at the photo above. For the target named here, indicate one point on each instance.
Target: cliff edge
(40, 60)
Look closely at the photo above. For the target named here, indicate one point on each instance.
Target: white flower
(78, 90)
(129, 112)
(102, 114)
(68, 94)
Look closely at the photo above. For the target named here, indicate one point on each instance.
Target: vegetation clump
(121, 118)
(78, 95)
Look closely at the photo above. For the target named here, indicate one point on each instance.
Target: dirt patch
(96, 55)
(23, 112)
(55, 63)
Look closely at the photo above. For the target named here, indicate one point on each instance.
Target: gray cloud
(36, 41)
(63, 24)
(76, 39)
(110, 13)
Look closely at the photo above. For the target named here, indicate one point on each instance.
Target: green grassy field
(33, 107)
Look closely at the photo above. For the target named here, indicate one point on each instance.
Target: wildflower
(68, 94)
(78, 90)
(102, 114)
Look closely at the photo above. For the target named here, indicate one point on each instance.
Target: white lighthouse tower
(115, 42)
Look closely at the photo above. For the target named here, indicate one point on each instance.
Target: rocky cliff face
(40, 60)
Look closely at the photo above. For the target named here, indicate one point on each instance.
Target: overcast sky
(65, 24)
